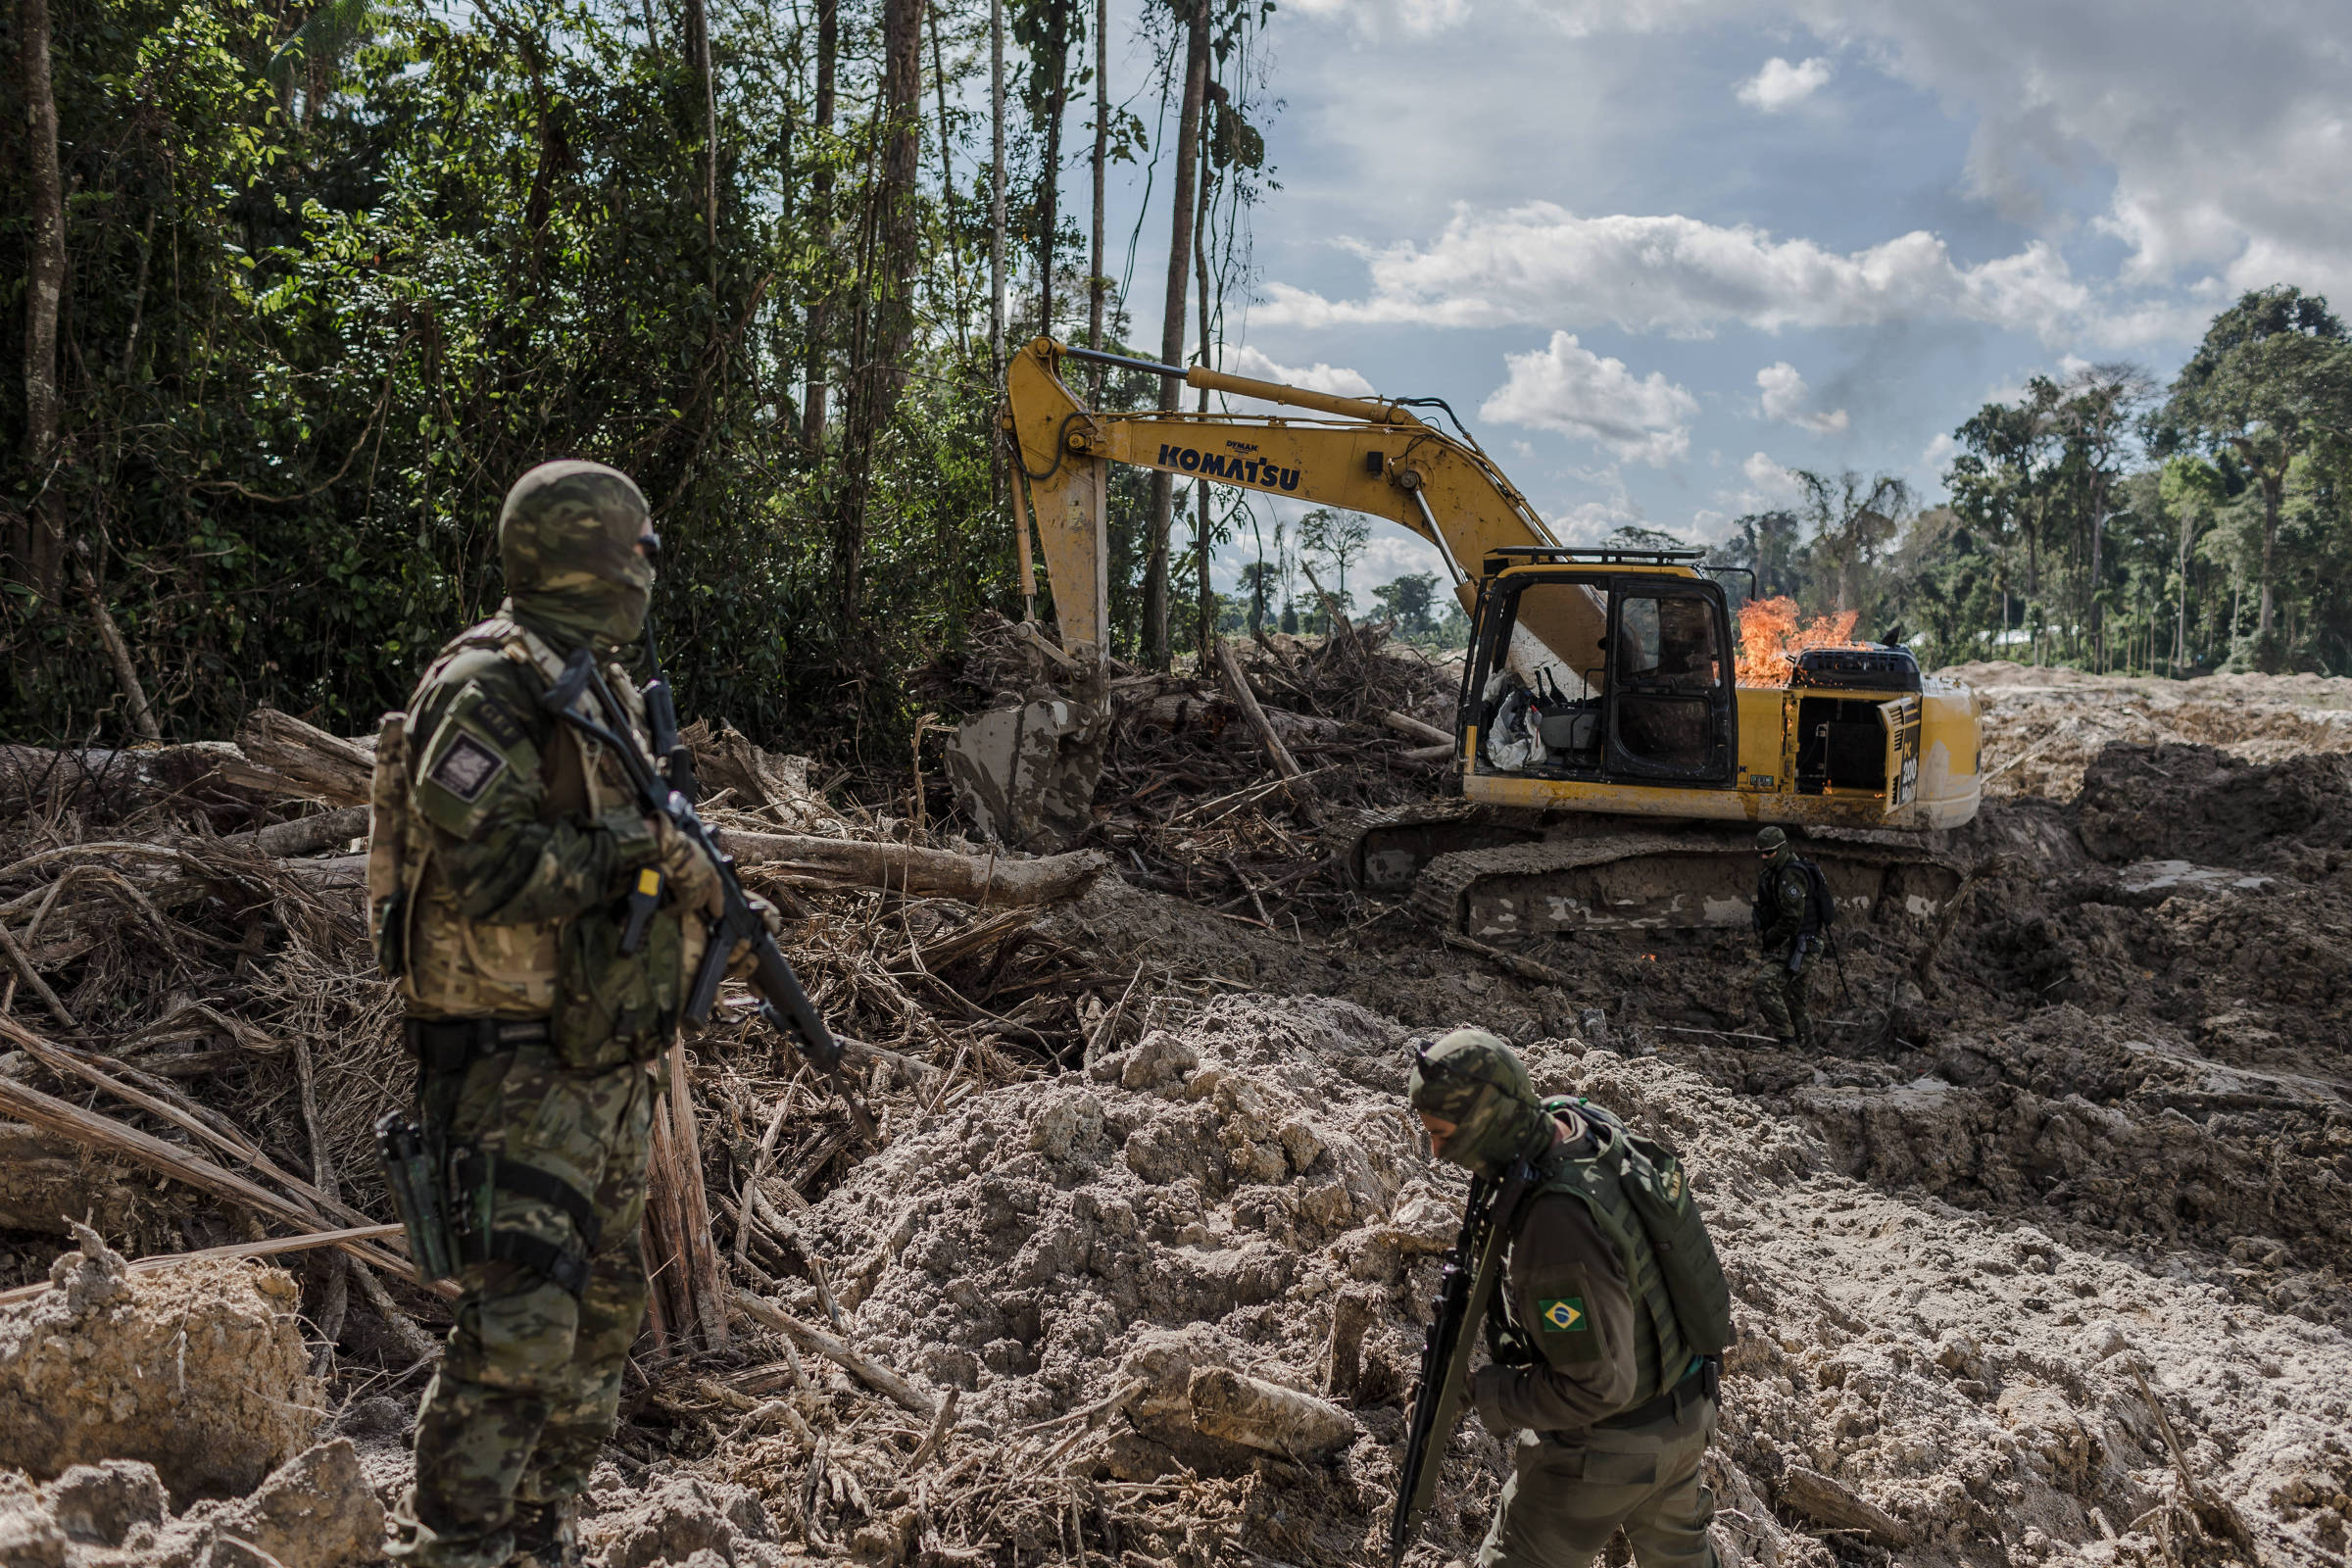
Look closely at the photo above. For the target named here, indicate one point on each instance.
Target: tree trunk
(947, 176)
(828, 56)
(1171, 330)
(1206, 611)
(2180, 615)
(40, 543)
(995, 193)
(887, 293)
(2274, 486)
(2099, 530)
(1049, 176)
(698, 53)
(1097, 284)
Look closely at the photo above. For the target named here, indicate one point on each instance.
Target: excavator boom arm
(1358, 454)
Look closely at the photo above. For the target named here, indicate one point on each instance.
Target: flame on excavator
(1772, 633)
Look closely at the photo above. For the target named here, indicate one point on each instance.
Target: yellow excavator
(1612, 766)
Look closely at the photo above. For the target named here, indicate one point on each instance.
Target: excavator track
(1690, 879)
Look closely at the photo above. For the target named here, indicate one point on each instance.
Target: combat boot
(545, 1535)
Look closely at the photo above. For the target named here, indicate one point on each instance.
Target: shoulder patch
(1563, 1314)
(498, 721)
(466, 769)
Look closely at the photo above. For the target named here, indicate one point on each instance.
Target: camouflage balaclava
(1475, 1081)
(567, 536)
(1773, 844)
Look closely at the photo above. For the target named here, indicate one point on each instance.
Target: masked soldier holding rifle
(534, 909)
(1605, 1312)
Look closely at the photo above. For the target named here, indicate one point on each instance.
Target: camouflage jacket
(503, 847)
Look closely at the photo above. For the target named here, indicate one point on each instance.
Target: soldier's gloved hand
(693, 880)
(739, 962)
(1487, 1386)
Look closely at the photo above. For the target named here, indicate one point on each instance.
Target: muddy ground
(2042, 1259)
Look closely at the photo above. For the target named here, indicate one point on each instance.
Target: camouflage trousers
(1780, 998)
(529, 1384)
(1568, 1495)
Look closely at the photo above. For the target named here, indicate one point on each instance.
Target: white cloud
(1768, 485)
(1539, 264)
(1418, 16)
(1566, 388)
(1939, 453)
(1318, 378)
(1786, 398)
(2225, 127)
(1780, 85)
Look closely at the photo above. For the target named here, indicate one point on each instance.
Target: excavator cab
(1650, 700)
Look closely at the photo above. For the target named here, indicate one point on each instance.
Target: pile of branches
(204, 1006)
(1220, 787)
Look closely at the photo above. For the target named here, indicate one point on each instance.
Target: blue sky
(1657, 252)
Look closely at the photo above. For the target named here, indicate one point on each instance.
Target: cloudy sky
(1656, 252)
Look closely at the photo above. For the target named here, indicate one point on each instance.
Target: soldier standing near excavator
(535, 918)
(1605, 1312)
(1788, 928)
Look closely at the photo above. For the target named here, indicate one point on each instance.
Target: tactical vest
(603, 1009)
(1639, 1200)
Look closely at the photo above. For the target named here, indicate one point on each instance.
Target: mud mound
(674, 1518)
(198, 1370)
(316, 1511)
(2205, 898)
(2111, 1142)
(2202, 805)
(2042, 728)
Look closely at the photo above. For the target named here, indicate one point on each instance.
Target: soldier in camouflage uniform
(504, 851)
(1786, 931)
(1594, 1384)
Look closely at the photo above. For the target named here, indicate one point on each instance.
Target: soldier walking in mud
(1598, 1381)
(535, 919)
(1787, 927)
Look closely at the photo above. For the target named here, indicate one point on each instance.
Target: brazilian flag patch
(1564, 1314)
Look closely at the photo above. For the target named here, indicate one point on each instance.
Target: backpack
(1824, 907)
(1654, 1186)
(1821, 911)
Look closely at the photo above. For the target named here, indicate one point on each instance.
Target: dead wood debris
(190, 1016)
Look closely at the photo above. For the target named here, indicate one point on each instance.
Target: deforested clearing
(2040, 1261)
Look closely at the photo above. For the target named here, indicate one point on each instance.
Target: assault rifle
(782, 1000)
(1465, 1285)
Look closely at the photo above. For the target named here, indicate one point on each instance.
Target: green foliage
(306, 356)
(2217, 539)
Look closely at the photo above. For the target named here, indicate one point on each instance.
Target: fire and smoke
(1772, 634)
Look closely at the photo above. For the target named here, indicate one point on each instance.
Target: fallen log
(306, 835)
(324, 767)
(1525, 968)
(1833, 1505)
(906, 868)
(873, 1373)
(1268, 1417)
(91, 1130)
(1238, 685)
(36, 776)
(1406, 724)
(274, 1246)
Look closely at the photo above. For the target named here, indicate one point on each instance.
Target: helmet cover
(567, 536)
(1477, 1082)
